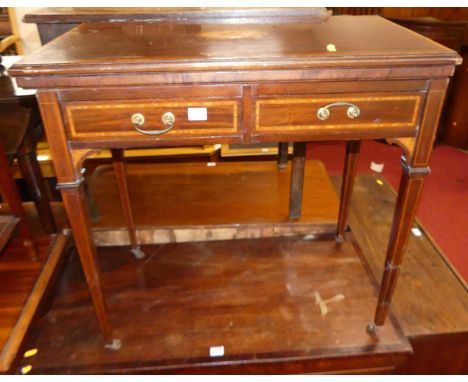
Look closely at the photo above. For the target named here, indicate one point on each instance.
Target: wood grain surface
(98, 120)
(356, 49)
(399, 111)
(24, 284)
(7, 227)
(429, 302)
(146, 47)
(228, 194)
(265, 301)
(68, 15)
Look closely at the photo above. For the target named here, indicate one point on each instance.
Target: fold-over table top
(342, 41)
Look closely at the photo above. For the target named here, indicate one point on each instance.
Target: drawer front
(138, 120)
(339, 112)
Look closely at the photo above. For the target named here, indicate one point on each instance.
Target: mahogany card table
(135, 85)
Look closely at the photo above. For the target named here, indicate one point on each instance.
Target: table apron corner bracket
(414, 171)
(68, 185)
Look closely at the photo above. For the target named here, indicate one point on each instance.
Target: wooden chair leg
(119, 168)
(283, 154)
(31, 171)
(350, 167)
(11, 195)
(297, 180)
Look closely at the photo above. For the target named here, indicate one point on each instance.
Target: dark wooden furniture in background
(453, 128)
(26, 268)
(455, 132)
(53, 22)
(11, 196)
(441, 13)
(27, 263)
(19, 131)
(448, 33)
(447, 26)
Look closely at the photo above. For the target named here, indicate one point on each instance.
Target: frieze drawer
(154, 120)
(396, 115)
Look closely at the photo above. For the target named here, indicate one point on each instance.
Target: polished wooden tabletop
(343, 41)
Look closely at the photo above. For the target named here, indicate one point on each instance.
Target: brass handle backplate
(138, 119)
(168, 120)
(352, 112)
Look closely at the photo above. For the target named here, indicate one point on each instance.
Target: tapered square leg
(349, 174)
(74, 199)
(415, 167)
(297, 180)
(120, 173)
(283, 154)
(411, 183)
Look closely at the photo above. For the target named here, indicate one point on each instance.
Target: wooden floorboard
(23, 285)
(258, 298)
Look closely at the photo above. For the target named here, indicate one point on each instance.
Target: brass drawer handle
(168, 119)
(352, 112)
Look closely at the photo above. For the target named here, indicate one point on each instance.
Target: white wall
(28, 32)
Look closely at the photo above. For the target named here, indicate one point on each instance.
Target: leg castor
(371, 328)
(138, 253)
(114, 345)
(339, 239)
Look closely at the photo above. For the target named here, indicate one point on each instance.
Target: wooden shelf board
(179, 202)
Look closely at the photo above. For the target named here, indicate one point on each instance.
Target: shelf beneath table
(181, 202)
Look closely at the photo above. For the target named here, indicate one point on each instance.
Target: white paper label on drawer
(216, 351)
(197, 114)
